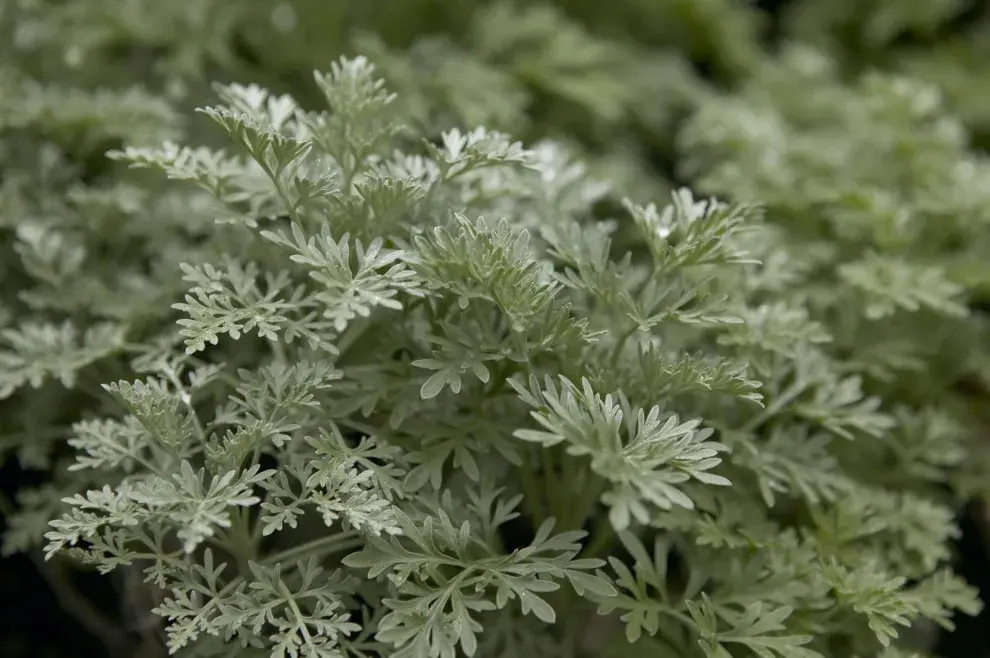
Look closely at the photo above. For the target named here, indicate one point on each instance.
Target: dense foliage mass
(506, 333)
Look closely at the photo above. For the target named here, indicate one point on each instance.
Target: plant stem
(621, 343)
(779, 403)
(602, 538)
(103, 628)
(329, 544)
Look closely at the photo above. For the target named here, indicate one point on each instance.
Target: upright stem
(324, 545)
(776, 406)
(108, 631)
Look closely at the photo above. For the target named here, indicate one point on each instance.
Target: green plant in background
(875, 190)
(348, 372)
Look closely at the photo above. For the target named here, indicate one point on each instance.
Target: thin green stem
(621, 343)
(355, 330)
(324, 545)
(583, 489)
(358, 425)
(551, 484)
(775, 407)
(187, 401)
(242, 542)
(532, 497)
(82, 609)
(284, 195)
(602, 539)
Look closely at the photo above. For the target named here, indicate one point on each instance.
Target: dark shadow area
(971, 638)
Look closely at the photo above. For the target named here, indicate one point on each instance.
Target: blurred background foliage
(617, 75)
(626, 82)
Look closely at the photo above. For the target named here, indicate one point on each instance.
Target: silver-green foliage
(417, 403)
(425, 376)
